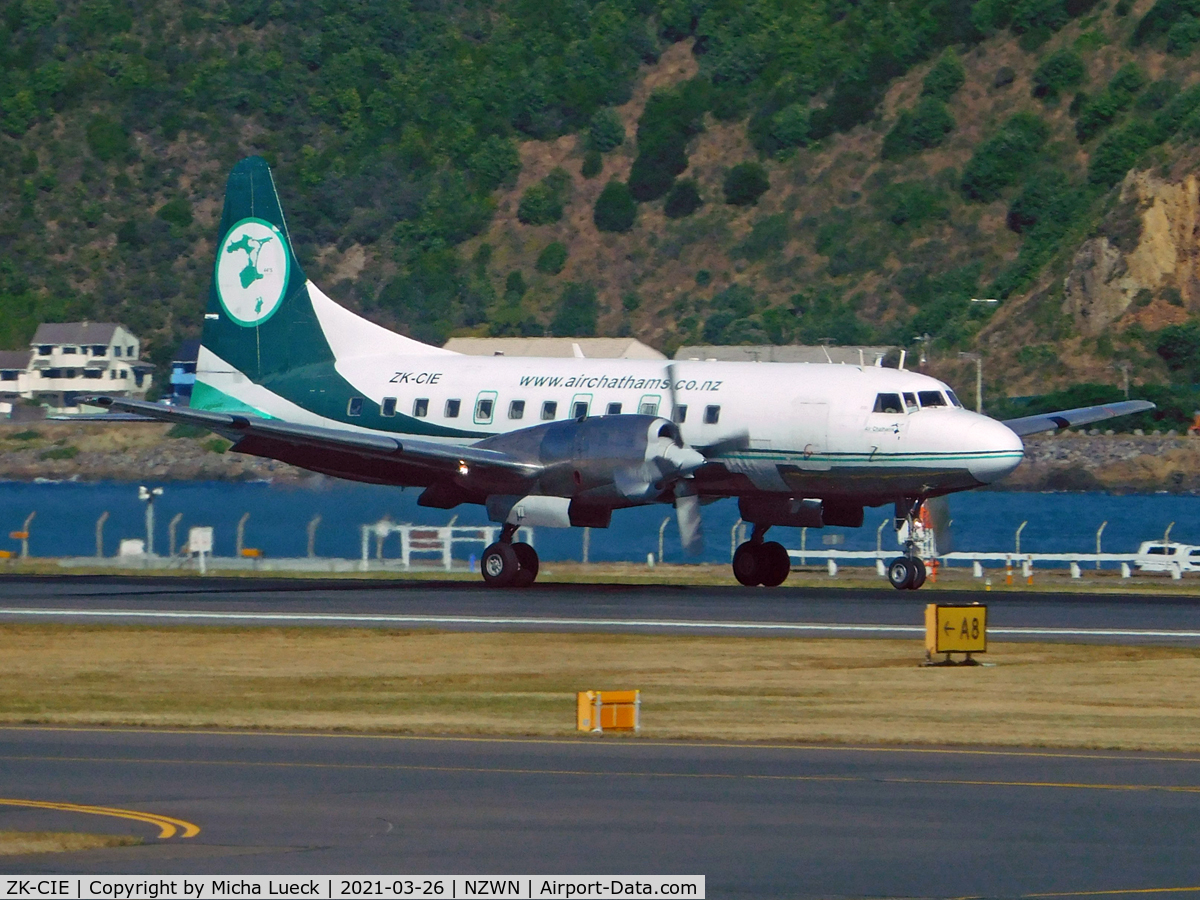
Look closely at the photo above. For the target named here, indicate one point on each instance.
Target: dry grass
(18, 843)
(523, 684)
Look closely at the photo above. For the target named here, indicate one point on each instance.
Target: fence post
(241, 534)
(171, 527)
(25, 531)
(366, 548)
(100, 534)
(662, 528)
(312, 535)
(587, 539)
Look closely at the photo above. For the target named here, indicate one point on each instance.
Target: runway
(406, 604)
(758, 821)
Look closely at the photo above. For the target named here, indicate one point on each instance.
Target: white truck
(1160, 556)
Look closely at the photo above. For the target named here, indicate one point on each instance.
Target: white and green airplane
(286, 373)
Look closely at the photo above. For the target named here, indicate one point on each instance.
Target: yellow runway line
(167, 825)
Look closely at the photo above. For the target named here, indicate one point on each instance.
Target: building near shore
(793, 353)
(580, 348)
(67, 360)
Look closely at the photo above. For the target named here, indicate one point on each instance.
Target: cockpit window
(954, 401)
(910, 400)
(931, 398)
(888, 403)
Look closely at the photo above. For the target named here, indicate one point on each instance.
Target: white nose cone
(995, 450)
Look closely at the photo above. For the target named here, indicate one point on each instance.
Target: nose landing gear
(508, 564)
(907, 573)
(761, 562)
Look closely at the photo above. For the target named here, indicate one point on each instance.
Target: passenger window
(389, 406)
(712, 415)
(680, 414)
(421, 407)
(354, 407)
(954, 401)
(931, 398)
(888, 403)
(516, 409)
(549, 410)
(910, 400)
(614, 409)
(579, 410)
(452, 408)
(483, 410)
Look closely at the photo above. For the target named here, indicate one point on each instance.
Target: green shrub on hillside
(177, 211)
(767, 237)
(1099, 112)
(683, 200)
(542, 203)
(918, 129)
(1183, 36)
(576, 313)
(615, 209)
(593, 164)
(552, 259)
(606, 131)
(668, 121)
(1160, 18)
(1179, 348)
(106, 139)
(790, 126)
(911, 203)
(1116, 154)
(945, 78)
(496, 162)
(1003, 158)
(745, 183)
(1056, 73)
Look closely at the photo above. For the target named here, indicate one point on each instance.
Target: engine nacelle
(607, 461)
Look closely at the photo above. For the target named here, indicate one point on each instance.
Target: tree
(945, 78)
(683, 200)
(918, 129)
(1056, 73)
(576, 313)
(606, 131)
(540, 205)
(615, 208)
(745, 183)
(552, 259)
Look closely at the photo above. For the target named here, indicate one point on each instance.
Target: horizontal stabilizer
(236, 427)
(1073, 418)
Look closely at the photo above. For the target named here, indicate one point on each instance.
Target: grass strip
(693, 687)
(19, 843)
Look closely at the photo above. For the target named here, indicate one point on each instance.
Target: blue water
(67, 513)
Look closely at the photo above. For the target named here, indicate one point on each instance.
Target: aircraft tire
(919, 573)
(900, 573)
(748, 564)
(499, 565)
(777, 565)
(527, 558)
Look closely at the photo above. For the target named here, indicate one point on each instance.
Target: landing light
(463, 469)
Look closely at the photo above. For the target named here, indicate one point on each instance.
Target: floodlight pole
(147, 496)
(978, 360)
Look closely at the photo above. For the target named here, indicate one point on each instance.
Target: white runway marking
(543, 622)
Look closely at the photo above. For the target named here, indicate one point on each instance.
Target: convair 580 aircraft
(286, 373)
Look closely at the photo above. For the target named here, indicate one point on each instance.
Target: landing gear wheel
(527, 558)
(900, 573)
(499, 565)
(776, 564)
(919, 571)
(748, 564)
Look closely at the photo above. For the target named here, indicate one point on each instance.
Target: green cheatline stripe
(783, 455)
(207, 397)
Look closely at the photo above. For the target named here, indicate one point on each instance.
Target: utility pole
(1124, 366)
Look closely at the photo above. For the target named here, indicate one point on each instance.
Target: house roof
(590, 347)
(792, 353)
(75, 332)
(189, 351)
(15, 359)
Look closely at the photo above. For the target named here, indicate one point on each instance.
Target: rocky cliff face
(1145, 264)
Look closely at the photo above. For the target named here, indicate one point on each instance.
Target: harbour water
(65, 524)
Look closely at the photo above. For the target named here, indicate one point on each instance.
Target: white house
(70, 359)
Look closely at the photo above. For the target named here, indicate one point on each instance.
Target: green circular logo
(252, 271)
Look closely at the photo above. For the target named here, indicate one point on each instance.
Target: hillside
(682, 170)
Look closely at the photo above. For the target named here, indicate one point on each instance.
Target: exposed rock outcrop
(1146, 254)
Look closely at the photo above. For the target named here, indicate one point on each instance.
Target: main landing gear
(508, 564)
(907, 573)
(761, 562)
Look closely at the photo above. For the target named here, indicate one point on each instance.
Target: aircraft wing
(1071, 418)
(303, 443)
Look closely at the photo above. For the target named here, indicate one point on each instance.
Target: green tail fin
(259, 318)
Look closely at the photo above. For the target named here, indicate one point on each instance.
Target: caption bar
(443, 887)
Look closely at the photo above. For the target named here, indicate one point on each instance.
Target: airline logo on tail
(252, 271)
